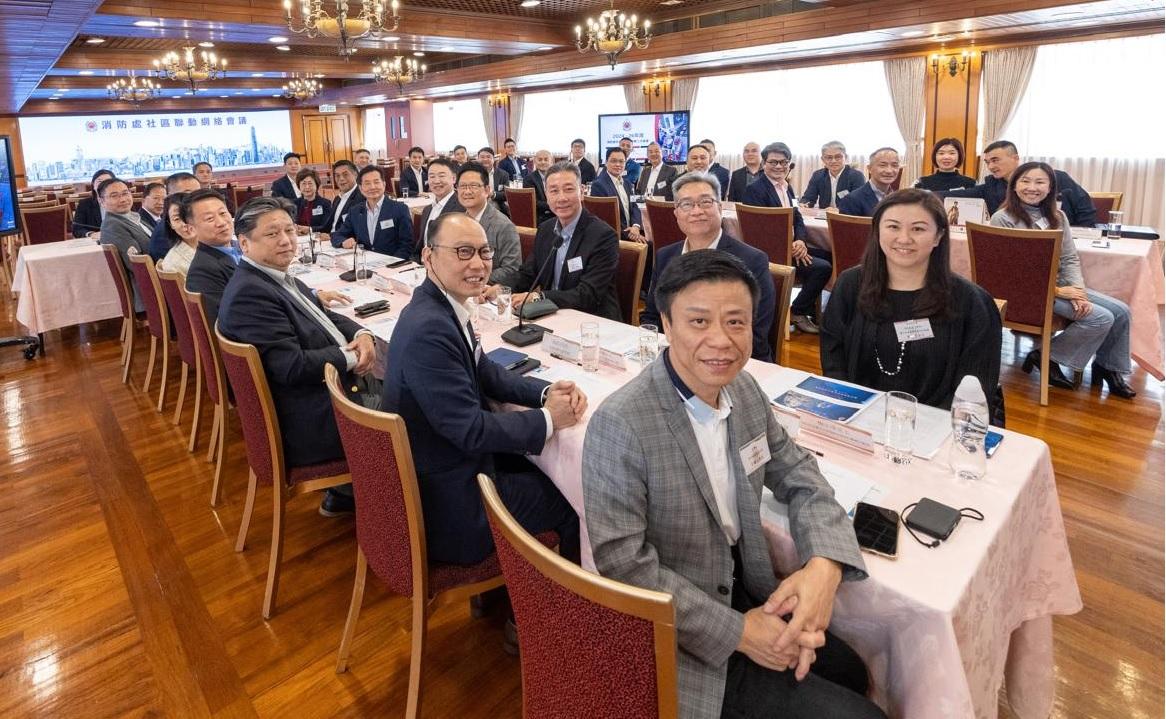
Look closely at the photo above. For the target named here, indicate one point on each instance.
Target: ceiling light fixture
(184, 68)
(95, 41)
(147, 23)
(277, 39)
(283, 48)
(301, 89)
(368, 21)
(390, 38)
(399, 71)
(912, 33)
(206, 44)
(613, 34)
(85, 72)
(418, 54)
(530, 3)
(544, 48)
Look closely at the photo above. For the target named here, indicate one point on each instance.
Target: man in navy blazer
(632, 168)
(834, 180)
(698, 213)
(344, 179)
(811, 264)
(537, 181)
(285, 186)
(715, 168)
(216, 256)
(439, 380)
(884, 170)
(380, 223)
(611, 183)
(511, 162)
(415, 176)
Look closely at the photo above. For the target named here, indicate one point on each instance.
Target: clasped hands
(800, 254)
(566, 403)
(1077, 297)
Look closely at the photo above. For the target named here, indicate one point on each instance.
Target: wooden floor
(121, 595)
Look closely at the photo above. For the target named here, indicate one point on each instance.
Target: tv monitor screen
(669, 129)
(9, 209)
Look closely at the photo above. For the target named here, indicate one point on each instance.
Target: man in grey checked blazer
(673, 465)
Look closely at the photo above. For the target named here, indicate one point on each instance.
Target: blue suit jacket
(632, 171)
(818, 189)
(294, 349)
(763, 194)
(758, 264)
(283, 188)
(516, 167)
(159, 242)
(862, 202)
(722, 176)
(605, 187)
(434, 382)
(395, 240)
(409, 180)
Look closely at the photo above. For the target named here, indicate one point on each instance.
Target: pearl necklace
(898, 367)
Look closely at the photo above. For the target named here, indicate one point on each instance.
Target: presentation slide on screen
(7, 203)
(71, 148)
(669, 129)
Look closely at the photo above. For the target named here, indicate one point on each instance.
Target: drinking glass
(649, 344)
(589, 343)
(899, 427)
(359, 266)
(502, 303)
(1113, 232)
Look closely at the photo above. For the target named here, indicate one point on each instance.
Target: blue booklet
(827, 398)
(836, 390)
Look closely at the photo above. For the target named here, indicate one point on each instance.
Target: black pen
(808, 449)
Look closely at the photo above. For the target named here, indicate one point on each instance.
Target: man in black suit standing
(415, 178)
(581, 275)
(834, 180)
(537, 181)
(380, 223)
(295, 335)
(89, 213)
(716, 168)
(344, 179)
(460, 156)
(586, 169)
(656, 177)
(285, 186)
(499, 178)
(514, 166)
(441, 180)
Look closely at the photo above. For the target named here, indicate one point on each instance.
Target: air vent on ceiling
(755, 12)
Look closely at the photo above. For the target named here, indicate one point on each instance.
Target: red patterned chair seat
(446, 576)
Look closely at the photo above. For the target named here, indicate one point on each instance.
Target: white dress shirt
(295, 187)
(374, 214)
(336, 219)
(438, 206)
(711, 427)
(834, 187)
(712, 245)
(650, 188)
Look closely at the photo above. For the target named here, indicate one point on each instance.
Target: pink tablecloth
(61, 284)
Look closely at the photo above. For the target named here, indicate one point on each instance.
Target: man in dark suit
(698, 213)
(834, 180)
(216, 256)
(415, 178)
(205, 173)
(611, 183)
(295, 335)
(285, 186)
(1002, 158)
(656, 177)
(441, 383)
(715, 167)
(883, 170)
(459, 157)
(179, 182)
(581, 275)
(811, 264)
(586, 169)
(511, 162)
(442, 174)
(380, 223)
(153, 196)
(89, 213)
(631, 167)
(747, 174)
(344, 179)
(537, 181)
(499, 178)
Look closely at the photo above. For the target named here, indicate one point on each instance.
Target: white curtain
(1138, 179)
(1005, 77)
(517, 106)
(684, 93)
(906, 80)
(487, 121)
(637, 100)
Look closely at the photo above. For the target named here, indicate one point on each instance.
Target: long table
(938, 628)
(61, 284)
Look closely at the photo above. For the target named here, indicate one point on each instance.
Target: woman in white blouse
(181, 236)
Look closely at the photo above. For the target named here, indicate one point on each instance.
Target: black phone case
(932, 518)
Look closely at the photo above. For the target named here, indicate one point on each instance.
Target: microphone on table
(355, 273)
(527, 334)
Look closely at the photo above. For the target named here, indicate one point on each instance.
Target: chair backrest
(629, 276)
(45, 224)
(603, 648)
(396, 187)
(170, 282)
(146, 280)
(1106, 202)
(1019, 267)
(783, 285)
(207, 347)
(526, 237)
(124, 295)
(606, 209)
(848, 237)
(769, 229)
(390, 526)
(662, 218)
(256, 408)
(523, 206)
(242, 194)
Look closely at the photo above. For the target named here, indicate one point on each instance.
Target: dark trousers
(536, 503)
(814, 278)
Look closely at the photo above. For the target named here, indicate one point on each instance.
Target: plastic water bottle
(969, 426)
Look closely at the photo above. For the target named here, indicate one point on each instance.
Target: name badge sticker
(574, 264)
(843, 193)
(911, 330)
(386, 224)
(317, 210)
(755, 454)
(661, 184)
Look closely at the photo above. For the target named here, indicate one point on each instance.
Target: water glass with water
(502, 302)
(899, 427)
(589, 344)
(359, 265)
(1113, 231)
(649, 344)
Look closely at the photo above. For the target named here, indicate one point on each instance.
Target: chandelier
(301, 89)
(399, 71)
(499, 99)
(613, 34)
(133, 91)
(315, 21)
(183, 68)
(953, 63)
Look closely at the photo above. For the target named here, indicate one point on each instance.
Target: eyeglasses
(833, 157)
(470, 186)
(466, 252)
(777, 163)
(704, 203)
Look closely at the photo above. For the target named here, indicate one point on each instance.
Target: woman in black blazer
(947, 157)
(312, 210)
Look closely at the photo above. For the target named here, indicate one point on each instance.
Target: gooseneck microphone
(527, 334)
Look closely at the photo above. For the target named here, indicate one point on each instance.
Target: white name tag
(561, 347)
(843, 193)
(344, 217)
(574, 264)
(911, 330)
(756, 453)
(317, 210)
(661, 184)
(836, 431)
(386, 224)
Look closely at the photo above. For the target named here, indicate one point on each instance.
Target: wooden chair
(207, 349)
(390, 529)
(125, 297)
(1020, 268)
(242, 194)
(526, 237)
(396, 187)
(45, 224)
(1106, 202)
(264, 443)
(171, 283)
(849, 235)
(606, 209)
(783, 285)
(769, 229)
(662, 218)
(600, 647)
(523, 205)
(629, 277)
(157, 319)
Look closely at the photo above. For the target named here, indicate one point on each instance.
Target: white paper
(316, 278)
(932, 426)
(849, 488)
(359, 295)
(586, 381)
(382, 326)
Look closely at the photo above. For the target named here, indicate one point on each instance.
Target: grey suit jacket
(651, 514)
(503, 237)
(124, 233)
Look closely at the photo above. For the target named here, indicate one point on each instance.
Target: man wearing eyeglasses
(834, 180)
(380, 223)
(439, 380)
(698, 213)
(473, 192)
(812, 265)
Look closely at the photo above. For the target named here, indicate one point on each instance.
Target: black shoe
(1117, 384)
(510, 638)
(486, 602)
(336, 504)
(1057, 378)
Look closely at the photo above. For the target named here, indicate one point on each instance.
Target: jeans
(1103, 335)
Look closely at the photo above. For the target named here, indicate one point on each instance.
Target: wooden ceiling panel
(573, 10)
(33, 34)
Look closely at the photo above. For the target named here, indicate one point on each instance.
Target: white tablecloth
(63, 283)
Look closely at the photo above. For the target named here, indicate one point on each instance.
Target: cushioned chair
(783, 285)
(769, 229)
(126, 299)
(597, 646)
(207, 349)
(629, 276)
(242, 194)
(1020, 268)
(526, 237)
(395, 190)
(45, 224)
(390, 529)
(523, 206)
(264, 443)
(157, 319)
(606, 209)
(662, 218)
(849, 235)
(171, 283)
(1106, 202)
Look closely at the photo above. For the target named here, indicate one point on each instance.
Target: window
(458, 122)
(550, 120)
(374, 131)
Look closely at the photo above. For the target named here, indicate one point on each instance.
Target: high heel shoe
(1117, 384)
(1057, 378)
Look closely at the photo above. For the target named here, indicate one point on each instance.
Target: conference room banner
(71, 148)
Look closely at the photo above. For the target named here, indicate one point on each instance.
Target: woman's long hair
(1048, 206)
(175, 199)
(934, 300)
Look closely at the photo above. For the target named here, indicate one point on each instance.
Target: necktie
(474, 344)
(558, 260)
(235, 253)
